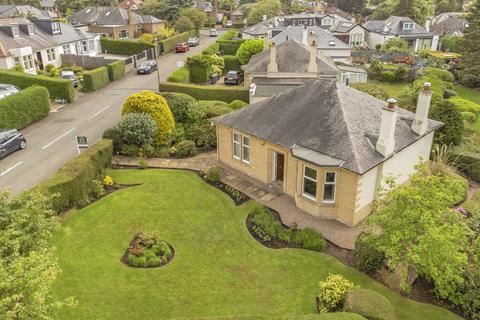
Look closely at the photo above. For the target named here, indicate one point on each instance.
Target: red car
(182, 47)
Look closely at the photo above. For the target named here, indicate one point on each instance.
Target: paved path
(200, 162)
(51, 141)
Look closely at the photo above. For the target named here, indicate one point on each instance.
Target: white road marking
(96, 114)
(56, 110)
(11, 168)
(63, 135)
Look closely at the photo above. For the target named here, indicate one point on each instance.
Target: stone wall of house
(87, 62)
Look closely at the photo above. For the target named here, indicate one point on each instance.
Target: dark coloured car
(182, 47)
(193, 42)
(234, 77)
(10, 141)
(147, 67)
(70, 75)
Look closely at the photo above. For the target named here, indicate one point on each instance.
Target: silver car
(10, 141)
(7, 90)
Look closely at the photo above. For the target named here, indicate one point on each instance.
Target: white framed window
(31, 30)
(123, 34)
(66, 49)
(15, 32)
(28, 62)
(408, 25)
(236, 145)
(246, 149)
(16, 60)
(55, 27)
(326, 22)
(91, 45)
(329, 186)
(84, 46)
(51, 54)
(309, 185)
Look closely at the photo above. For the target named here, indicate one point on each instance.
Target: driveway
(52, 141)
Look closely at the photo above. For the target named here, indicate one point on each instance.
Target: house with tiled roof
(131, 4)
(449, 24)
(326, 146)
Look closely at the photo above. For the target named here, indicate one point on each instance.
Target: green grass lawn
(394, 90)
(468, 93)
(218, 269)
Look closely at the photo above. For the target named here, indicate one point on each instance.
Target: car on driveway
(147, 67)
(229, 24)
(234, 77)
(70, 75)
(10, 141)
(193, 42)
(213, 32)
(182, 47)
(7, 90)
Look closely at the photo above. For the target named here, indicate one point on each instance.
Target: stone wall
(87, 62)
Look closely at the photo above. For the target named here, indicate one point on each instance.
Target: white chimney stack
(312, 48)
(420, 123)
(427, 24)
(264, 17)
(272, 64)
(386, 140)
(265, 41)
(305, 36)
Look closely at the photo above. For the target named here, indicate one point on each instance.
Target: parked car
(147, 67)
(229, 24)
(182, 47)
(70, 75)
(193, 42)
(234, 77)
(7, 90)
(213, 32)
(10, 141)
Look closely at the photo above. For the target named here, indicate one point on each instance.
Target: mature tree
(198, 18)
(296, 7)
(418, 10)
(396, 44)
(33, 3)
(452, 131)
(173, 7)
(452, 44)
(75, 5)
(184, 24)
(154, 8)
(227, 5)
(268, 8)
(447, 6)
(470, 61)
(248, 49)
(352, 6)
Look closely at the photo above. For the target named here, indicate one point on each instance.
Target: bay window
(236, 145)
(246, 149)
(329, 187)
(309, 188)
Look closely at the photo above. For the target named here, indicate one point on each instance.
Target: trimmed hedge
(168, 45)
(95, 79)
(369, 304)
(229, 47)
(200, 67)
(468, 164)
(181, 75)
(57, 88)
(125, 47)
(220, 93)
(116, 70)
(73, 182)
(20, 109)
(232, 63)
(212, 49)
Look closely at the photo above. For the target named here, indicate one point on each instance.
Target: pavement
(52, 141)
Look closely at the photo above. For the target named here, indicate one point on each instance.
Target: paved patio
(268, 195)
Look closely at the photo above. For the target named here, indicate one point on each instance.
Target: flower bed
(237, 196)
(147, 251)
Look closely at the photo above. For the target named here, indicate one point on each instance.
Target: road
(52, 141)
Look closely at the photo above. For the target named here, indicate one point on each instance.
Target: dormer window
(31, 30)
(15, 32)
(331, 43)
(88, 10)
(408, 26)
(55, 27)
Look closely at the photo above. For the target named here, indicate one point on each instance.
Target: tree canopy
(269, 8)
(470, 61)
(418, 10)
(248, 49)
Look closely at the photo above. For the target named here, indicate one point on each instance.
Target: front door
(280, 164)
(39, 60)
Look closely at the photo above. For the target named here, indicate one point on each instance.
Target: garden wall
(220, 93)
(87, 62)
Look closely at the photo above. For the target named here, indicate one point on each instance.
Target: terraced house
(326, 145)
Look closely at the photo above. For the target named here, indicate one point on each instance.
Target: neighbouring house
(239, 15)
(350, 75)
(209, 9)
(350, 33)
(326, 145)
(13, 11)
(280, 68)
(380, 31)
(131, 4)
(448, 24)
(48, 5)
(115, 22)
(36, 43)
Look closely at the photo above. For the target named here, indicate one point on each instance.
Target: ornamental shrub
(154, 105)
(237, 104)
(387, 76)
(449, 93)
(200, 67)
(232, 63)
(230, 47)
(95, 79)
(203, 134)
(309, 239)
(213, 175)
(185, 148)
(369, 304)
(181, 75)
(444, 75)
(114, 135)
(333, 292)
(452, 131)
(116, 70)
(185, 109)
(400, 74)
(214, 48)
(138, 129)
(248, 49)
(220, 93)
(465, 105)
(367, 256)
(468, 117)
(215, 108)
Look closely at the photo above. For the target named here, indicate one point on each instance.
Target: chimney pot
(427, 86)
(392, 104)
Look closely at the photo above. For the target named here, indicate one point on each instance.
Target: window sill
(309, 197)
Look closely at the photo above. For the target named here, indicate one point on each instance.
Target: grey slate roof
(452, 23)
(108, 16)
(394, 26)
(14, 11)
(322, 37)
(326, 117)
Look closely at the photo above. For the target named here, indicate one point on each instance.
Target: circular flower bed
(147, 251)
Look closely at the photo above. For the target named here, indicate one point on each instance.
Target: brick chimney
(272, 64)
(312, 48)
(420, 123)
(265, 41)
(386, 140)
(305, 36)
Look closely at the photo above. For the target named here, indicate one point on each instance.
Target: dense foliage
(269, 8)
(196, 17)
(470, 61)
(417, 10)
(185, 109)
(116, 70)
(200, 67)
(180, 75)
(452, 131)
(232, 63)
(168, 45)
(95, 79)
(215, 108)
(139, 129)
(248, 49)
(333, 292)
(369, 304)
(147, 251)
(126, 47)
(452, 44)
(221, 93)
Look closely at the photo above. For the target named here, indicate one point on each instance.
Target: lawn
(218, 269)
(394, 90)
(468, 93)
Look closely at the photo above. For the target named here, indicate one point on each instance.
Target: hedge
(73, 182)
(125, 47)
(369, 304)
(232, 63)
(181, 75)
(199, 67)
(168, 45)
(57, 88)
(20, 109)
(468, 164)
(116, 70)
(95, 79)
(229, 47)
(232, 33)
(212, 49)
(220, 93)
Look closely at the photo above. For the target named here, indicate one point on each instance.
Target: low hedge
(57, 88)
(232, 63)
(220, 93)
(95, 79)
(168, 45)
(116, 70)
(73, 182)
(181, 75)
(212, 49)
(229, 47)
(125, 47)
(468, 164)
(369, 304)
(232, 33)
(21, 109)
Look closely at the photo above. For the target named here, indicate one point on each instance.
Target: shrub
(367, 257)
(95, 79)
(213, 175)
(124, 47)
(248, 49)
(468, 163)
(452, 43)
(57, 88)
(181, 75)
(116, 70)
(333, 292)
(369, 304)
(23, 108)
(185, 148)
(470, 80)
(468, 117)
(154, 105)
(221, 93)
(203, 134)
(400, 74)
(107, 181)
(309, 239)
(229, 47)
(185, 109)
(371, 90)
(443, 75)
(212, 49)
(200, 67)
(387, 76)
(168, 45)
(452, 131)
(449, 93)
(465, 105)
(73, 181)
(131, 150)
(97, 189)
(232, 63)
(114, 135)
(139, 129)
(237, 104)
(215, 108)
(438, 87)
